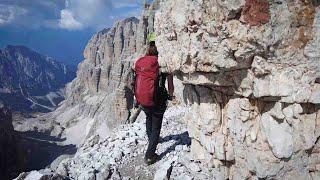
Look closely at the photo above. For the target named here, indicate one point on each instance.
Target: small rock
(115, 175)
(62, 169)
(164, 171)
(127, 150)
(186, 148)
(54, 177)
(117, 155)
(87, 176)
(23, 175)
(33, 175)
(193, 167)
(55, 164)
(103, 174)
(178, 148)
(112, 161)
(183, 177)
(142, 142)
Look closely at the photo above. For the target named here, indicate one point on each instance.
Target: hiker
(151, 94)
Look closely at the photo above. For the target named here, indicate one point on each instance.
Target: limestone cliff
(251, 71)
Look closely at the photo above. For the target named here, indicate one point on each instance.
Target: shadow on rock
(41, 136)
(42, 149)
(180, 139)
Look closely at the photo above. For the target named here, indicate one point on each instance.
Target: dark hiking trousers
(154, 118)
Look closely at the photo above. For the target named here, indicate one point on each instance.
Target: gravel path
(120, 156)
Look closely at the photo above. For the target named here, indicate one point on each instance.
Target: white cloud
(8, 13)
(66, 14)
(79, 14)
(67, 21)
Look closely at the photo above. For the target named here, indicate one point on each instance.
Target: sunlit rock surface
(251, 72)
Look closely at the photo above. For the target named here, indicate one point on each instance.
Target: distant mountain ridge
(30, 81)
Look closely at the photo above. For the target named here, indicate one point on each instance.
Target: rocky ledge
(251, 73)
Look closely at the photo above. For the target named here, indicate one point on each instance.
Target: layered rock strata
(251, 72)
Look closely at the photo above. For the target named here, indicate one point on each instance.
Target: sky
(60, 28)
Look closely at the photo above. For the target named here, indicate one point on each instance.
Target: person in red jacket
(152, 95)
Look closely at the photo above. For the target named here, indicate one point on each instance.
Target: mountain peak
(17, 48)
(23, 50)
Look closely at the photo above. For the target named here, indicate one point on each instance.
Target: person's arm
(170, 84)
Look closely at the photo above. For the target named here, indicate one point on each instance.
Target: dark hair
(152, 50)
(152, 43)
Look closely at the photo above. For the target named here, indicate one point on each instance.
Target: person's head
(152, 50)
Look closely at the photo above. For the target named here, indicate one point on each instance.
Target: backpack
(147, 77)
(149, 84)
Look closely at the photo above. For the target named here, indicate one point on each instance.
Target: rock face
(11, 155)
(251, 71)
(30, 81)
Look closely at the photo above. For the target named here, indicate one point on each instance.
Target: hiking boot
(151, 160)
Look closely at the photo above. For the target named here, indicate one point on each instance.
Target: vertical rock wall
(251, 74)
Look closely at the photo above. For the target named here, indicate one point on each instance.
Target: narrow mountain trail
(121, 155)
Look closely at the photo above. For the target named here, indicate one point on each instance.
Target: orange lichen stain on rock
(256, 12)
(303, 38)
(304, 19)
(306, 14)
